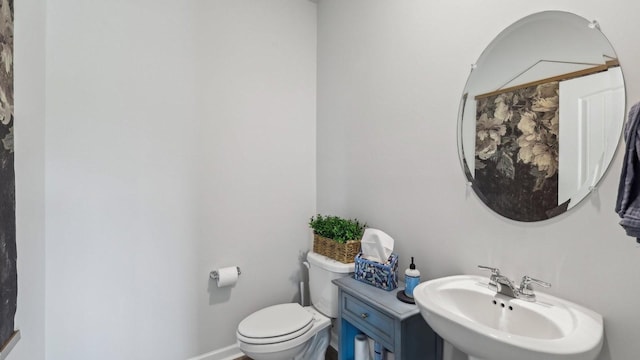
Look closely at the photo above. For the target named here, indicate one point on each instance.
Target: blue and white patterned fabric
(628, 201)
(383, 276)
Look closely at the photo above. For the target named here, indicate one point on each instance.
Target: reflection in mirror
(541, 116)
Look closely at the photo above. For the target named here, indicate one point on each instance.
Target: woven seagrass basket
(345, 253)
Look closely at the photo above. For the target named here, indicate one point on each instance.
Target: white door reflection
(586, 144)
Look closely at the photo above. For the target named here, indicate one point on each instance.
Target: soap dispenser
(411, 279)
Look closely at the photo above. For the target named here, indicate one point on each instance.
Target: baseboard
(8, 346)
(231, 352)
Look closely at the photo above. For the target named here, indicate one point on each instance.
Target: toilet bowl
(284, 331)
(293, 332)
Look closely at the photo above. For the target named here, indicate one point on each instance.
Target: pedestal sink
(464, 311)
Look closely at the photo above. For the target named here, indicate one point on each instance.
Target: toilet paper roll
(227, 276)
(361, 347)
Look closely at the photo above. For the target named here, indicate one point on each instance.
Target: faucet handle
(526, 290)
(494, 271)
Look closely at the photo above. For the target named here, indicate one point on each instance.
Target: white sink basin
(485, 325)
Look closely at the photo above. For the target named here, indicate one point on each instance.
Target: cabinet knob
(364, 315)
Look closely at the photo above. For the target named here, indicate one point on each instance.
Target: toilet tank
(324, 294)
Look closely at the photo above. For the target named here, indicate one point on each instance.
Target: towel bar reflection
(214, 274)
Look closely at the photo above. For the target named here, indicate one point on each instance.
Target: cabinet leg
(348, 334)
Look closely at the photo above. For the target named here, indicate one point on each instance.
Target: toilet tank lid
(329, 264)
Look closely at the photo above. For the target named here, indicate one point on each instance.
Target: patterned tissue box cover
(383, 276)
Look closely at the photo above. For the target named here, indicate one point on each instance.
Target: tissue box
(383, 276)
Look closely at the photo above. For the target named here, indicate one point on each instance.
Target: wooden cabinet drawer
(369, 318)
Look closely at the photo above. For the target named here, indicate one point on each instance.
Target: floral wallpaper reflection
(516, 164)
(8, 253)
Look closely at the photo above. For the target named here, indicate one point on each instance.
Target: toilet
(293, 332)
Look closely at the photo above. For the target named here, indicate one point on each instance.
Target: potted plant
(336, 237)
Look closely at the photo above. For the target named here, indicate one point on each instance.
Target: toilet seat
(299, 341)
(275, 324)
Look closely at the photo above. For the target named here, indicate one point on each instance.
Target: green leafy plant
(337, 228)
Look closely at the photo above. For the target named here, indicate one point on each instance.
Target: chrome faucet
(526, 291)
(493, 279)
(503, 285)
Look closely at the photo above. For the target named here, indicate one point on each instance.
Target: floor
(332, 354)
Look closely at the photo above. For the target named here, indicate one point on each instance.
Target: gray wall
(179, 139)
(29, 86)
(390, 76)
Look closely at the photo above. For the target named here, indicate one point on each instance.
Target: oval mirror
(541, 116)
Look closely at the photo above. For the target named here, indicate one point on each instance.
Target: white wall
(179, 138)
(257, 88)
(174, 127)
(29, 86)
(390, 76)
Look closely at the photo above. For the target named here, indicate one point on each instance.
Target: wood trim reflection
(572, 75)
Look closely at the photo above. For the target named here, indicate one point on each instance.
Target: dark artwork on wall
(8, 252)
(516, 154)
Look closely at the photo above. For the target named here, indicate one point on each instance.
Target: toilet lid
(276, 321)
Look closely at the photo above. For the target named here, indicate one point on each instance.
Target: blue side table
(377, 313)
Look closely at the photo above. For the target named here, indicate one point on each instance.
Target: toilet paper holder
(214, 274)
